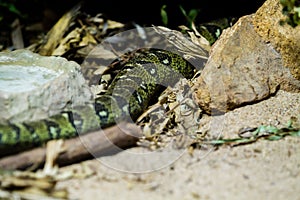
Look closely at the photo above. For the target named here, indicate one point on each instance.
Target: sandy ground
(261, 170)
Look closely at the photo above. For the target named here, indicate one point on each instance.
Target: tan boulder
(244, 68)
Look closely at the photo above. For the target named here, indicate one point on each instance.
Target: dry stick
(97, 143)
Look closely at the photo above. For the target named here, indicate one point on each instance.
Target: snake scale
(142, 77)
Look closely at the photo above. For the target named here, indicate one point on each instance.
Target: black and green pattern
(131, 91)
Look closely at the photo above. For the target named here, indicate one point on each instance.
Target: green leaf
(193, 14)
(291, 9)
(297, 133)
(297, 10)
(289, 124)
(11, 7)
(274, 137)
(228, 141)
(266, 129)
(183, 11)
(164, 15)
(272, 129)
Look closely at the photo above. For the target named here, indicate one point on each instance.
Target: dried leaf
(55, 35)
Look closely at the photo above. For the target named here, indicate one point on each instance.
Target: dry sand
(261, 170)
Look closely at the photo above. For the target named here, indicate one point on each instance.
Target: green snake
(132, 90)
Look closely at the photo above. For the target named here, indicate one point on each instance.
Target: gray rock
(33, 87)
(242, 69)
(269, 23)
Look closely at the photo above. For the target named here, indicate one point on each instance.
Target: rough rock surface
(268, 24)
(242, 69)
(34, 87)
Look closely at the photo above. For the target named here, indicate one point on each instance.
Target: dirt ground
(261, 170)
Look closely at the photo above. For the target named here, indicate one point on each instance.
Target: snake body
(129, 94)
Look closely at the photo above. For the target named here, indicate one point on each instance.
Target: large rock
(269, 24)
(33, 87)
(243, 69)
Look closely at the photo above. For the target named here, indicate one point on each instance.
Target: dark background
(45, 13)
(146, 12)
